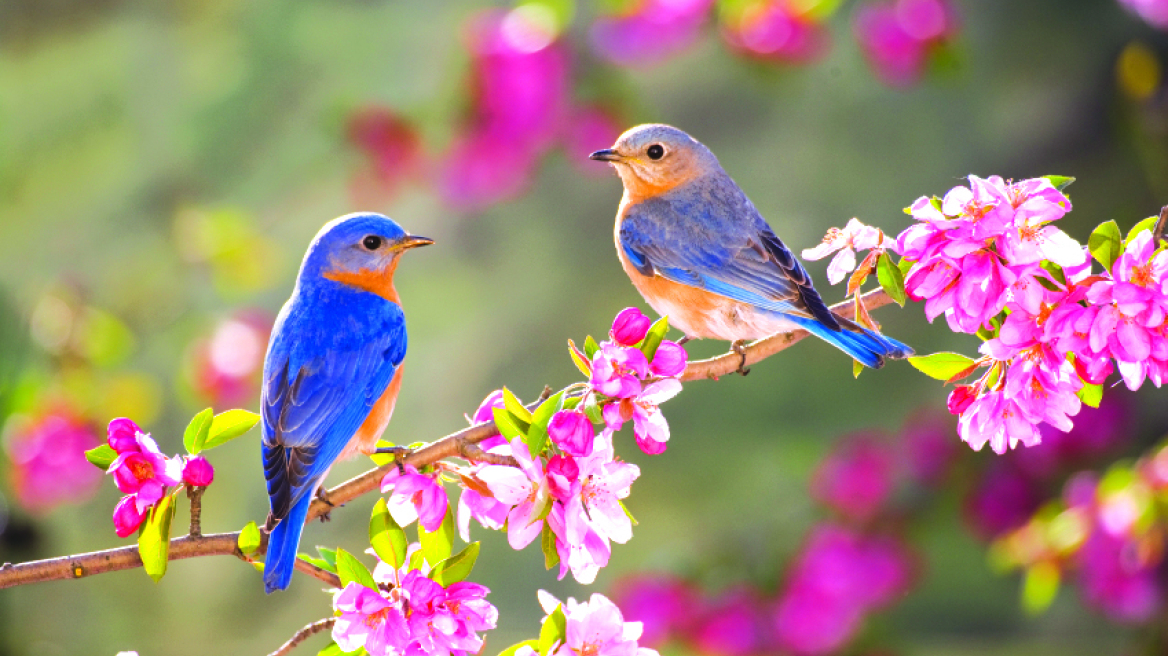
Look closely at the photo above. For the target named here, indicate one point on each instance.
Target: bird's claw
(323, 496)
(399, 456)
(739, 347)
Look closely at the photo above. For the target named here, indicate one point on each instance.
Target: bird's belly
(365, 439)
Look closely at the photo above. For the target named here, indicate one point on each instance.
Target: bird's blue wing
(319, 385)
(715, 240)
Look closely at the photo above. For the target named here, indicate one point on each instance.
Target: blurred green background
(165, 164)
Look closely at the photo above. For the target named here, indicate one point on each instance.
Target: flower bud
(562, 474)
(198, 472)
(122, 434)
(127, 519)
(572, 432)
(485, 411)
(629, 327)
(669, 360)
(960, 398)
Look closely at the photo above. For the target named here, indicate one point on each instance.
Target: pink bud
(127, 519)
(629, 327)
(562, 473)
(484, 413)
(572, 432)
(198, 472)
(122, 434)
(669, 360)
(960, 398)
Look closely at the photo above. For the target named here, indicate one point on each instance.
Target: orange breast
(379, 282)
(365, 439)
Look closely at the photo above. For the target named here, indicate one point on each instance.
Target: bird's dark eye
(655, 151)
(372, 242)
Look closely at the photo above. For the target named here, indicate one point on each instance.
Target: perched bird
(699, 252)
(332, 371)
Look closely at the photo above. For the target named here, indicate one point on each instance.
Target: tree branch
(1158, 230)
(462, 444)
(304, 634)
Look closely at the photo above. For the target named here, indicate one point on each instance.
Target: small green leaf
(227, 426)
(506, 424)
(1060, 182)
(352, 570)
(590, 347)
(101, 457)
(905, 265)
(547, 543)
(436, 546)
(553, 632)
(593, 411)
(1055, 271)
(857, 368)
(1091, 394)
(382, 459)
(537, 435)
(891, 279)
(1039, 587)
(196, 433)
(1105, 244)
(249, 539)
(457, 567)
(653, 338)
(329, 556)
(417, 560)
(510, 651)
(941, 366)
(319, 562)
(387, 537)
(515, 406)
(1146, 224)
(154, 541)
(578, 358)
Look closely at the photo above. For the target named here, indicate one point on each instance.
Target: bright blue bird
(332, 371)
(698, 251)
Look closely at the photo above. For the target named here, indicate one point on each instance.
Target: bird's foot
(399, 456)
(739, 347)
(323, 496)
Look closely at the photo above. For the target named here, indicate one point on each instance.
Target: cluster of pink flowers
(145, 474)
(411, 613)
(593, 628)
(776, 30)
(898, 36)
(647, 31)
(845, 243)
(48, 460)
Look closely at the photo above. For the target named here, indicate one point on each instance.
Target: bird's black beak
(606, 155)
(412, 241)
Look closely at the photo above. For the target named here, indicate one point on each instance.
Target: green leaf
(507, 425)
(335, 650)
(196, 433)
(227, 426)
(457, 567)
(1039, 587)
(891, 279)
(352, 570)
(510, 651)
(941, 366)
(515, 406)
(329, 556)
(579, 360)
(387, 537)
(1104, 244)
(1146, 224)
(1091, 394)
(653, 338)
(857, 368)
(547, 543)
(590, 347)
(1055, 271)
(417, 560)
(1060, 182)
(905, 265)
(554, 631)
(593, 411)
(249, 539)
(537, 435)
(436, 546)
(101, 457)
(319, 562)
(154, 541)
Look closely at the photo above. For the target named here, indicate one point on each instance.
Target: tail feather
(867, 346)
(282, 546)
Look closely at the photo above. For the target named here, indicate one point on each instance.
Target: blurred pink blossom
(775, 30)
(48, 460)
(391, 146)
(650, 31)
(228, 364)
(896, 37)
(857, 477)
(1002, 500)
(662, 603)
(1155, 12)
(731, 625)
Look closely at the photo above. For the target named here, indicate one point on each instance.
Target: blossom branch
(304, 634)
(1158, 230)
(195, 495)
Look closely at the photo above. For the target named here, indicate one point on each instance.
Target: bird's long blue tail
(282, 546)
(866, 346)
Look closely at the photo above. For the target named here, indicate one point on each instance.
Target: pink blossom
(489, 511)
(369, 620)
(127, 516)
(583, 554)
(595, 627)
(123, 435)
(524, 489)
(604, 481)
(856, 478)
(649, 425)
(590, 125)
(563, 475)
(651, 32)
(774, 30)
(485, 411)
(664, 605)
(896, 37)
(929, 448)
(669, 360)
(228, 364)
(855, 236)
(617, 370)
(48, 460)
(442, 621)
(415, 496)
(997, 419)
(629, 327)
(141, 470)
(572, 431)
(198, 472)
(731, 625)
(390, 144)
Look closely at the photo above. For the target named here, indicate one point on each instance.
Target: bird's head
(360, 250)
(652, 159)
